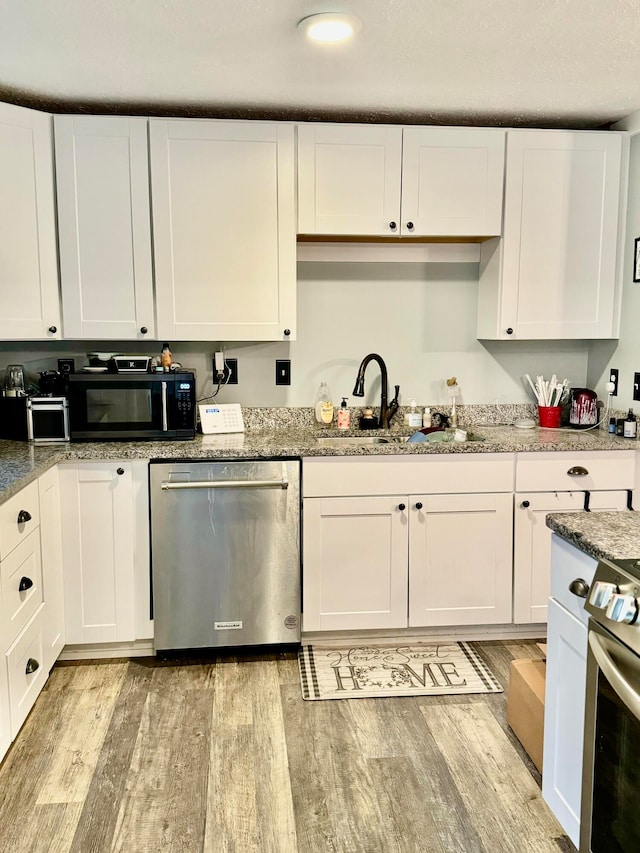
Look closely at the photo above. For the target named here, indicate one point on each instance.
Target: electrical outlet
(636, 386)
(230, 371)
(613, 377)
(283, 371)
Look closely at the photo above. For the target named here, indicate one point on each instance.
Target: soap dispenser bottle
(324, 405)
(344, 415)
(414, 418)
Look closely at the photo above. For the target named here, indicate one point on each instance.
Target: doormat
(393, 669)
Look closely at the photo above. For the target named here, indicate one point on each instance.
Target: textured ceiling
(545, 63)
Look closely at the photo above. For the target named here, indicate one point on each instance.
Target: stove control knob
(622, 608)
(601, 593)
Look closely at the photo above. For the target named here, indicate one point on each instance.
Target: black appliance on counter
(132, 406)
(43, 420)
(610, 818)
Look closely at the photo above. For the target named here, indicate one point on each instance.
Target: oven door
(112, 407)
(610, 819)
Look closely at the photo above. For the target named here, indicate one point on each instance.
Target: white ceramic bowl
(103, 356)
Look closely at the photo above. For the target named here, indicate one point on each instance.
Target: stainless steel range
(610, 818)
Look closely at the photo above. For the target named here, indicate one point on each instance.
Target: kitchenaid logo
(227, 626)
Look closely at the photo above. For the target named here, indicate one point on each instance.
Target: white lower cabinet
(105, 547)
(98, 550)
(5, 710)
(409, 559)
(594, 479)
(51, 548)
(23, 664)
(355, 563)
(460, 560)
(565, 688)
(26, 671)
(532, 545)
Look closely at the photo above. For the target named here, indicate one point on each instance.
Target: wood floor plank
(335, 752)
(504, 803)
(49, 828)
(49, 765)
(164, 802)
(87, 717)
(97, 822)
(250, 807)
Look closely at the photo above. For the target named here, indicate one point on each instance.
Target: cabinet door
(452, 180)
(224, 229)
(532, 545)
(51, 545)
(460, 559)
(554, 276)
(5, 708)
(29, 299)
(98, 551)
(349, 179)
(104, 222)
(354, 563)
(564, 717)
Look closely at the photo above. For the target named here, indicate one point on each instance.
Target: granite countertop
(603, 535)
(20, 463)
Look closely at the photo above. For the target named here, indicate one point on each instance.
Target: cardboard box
(525, 705)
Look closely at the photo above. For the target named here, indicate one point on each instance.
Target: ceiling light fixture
(329, 27)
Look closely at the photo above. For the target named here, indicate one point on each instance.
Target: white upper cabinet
(349, 179)
(452, 180)
(554, 273)
(29, 298)
(384, 180)
(223, 200)
(102, 170)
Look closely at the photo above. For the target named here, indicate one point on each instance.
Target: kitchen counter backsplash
(471, 415)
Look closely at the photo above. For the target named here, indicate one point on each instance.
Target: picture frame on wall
(636, 259)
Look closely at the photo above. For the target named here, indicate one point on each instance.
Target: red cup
(549, 416)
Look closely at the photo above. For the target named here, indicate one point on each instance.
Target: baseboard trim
(467, 632)
(137, 649)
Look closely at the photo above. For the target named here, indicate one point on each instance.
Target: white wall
(420, 317)
(623, 354)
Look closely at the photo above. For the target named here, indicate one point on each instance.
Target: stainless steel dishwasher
(225, 553)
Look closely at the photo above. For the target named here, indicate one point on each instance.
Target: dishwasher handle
(227, 484)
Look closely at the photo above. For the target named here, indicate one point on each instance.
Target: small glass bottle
(630, 425)
(612, 426)
(426, 417)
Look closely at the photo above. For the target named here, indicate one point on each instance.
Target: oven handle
(600, 647)
(228, 484)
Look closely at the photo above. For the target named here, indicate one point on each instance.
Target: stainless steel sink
(358, 440)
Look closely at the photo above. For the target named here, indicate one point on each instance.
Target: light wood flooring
(222, 755)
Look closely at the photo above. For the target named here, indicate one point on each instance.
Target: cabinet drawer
(26, 673)
(21, 587)
(407, 475)
(568, 564)
(18, 517)
(546, 472)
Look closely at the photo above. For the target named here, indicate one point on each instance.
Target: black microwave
(132, 406)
